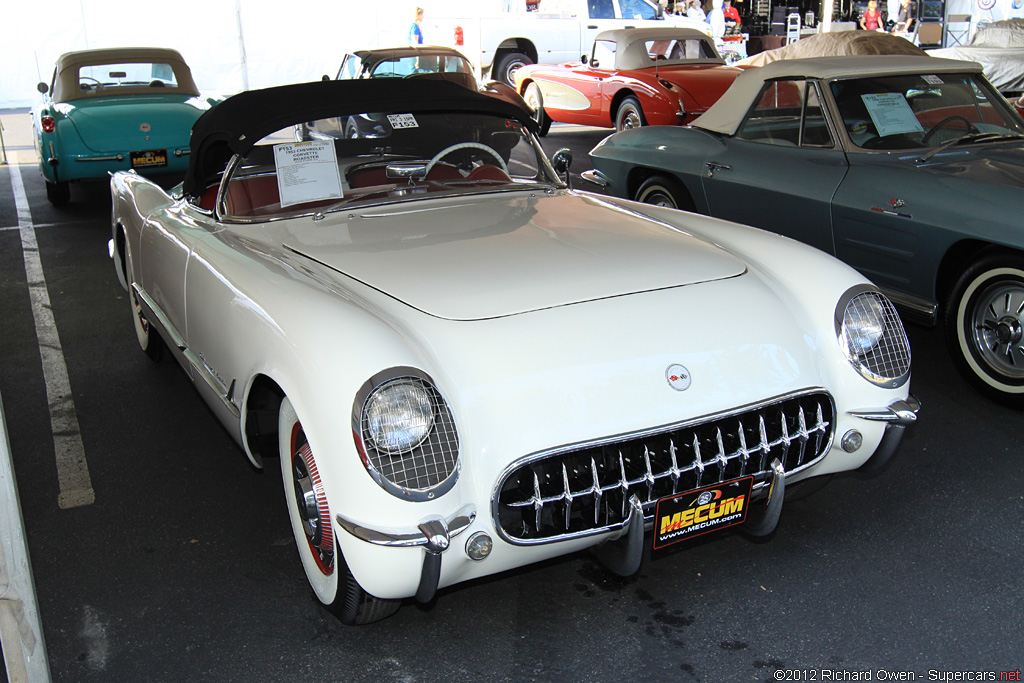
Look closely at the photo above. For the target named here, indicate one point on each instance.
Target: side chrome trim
(917, 308)
(596, 177)
(900, 412)
(225, 392)
(109, 157)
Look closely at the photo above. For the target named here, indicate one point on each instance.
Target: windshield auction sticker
(891, 114)
(700, 511)
(307, 172)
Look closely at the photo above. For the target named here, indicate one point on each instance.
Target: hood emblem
(145, 127)
(678, 377)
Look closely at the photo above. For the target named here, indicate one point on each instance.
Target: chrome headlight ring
(871, 336)
(405, 434)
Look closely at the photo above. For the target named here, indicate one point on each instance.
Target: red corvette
(634, 77)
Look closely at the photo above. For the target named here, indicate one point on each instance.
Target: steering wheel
(83, 86)
(465, 145)
(935, 129)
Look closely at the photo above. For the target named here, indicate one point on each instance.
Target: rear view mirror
(118, 74)
(561, 161)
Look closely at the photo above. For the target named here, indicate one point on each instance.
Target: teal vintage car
(113, 110)
(909, 168)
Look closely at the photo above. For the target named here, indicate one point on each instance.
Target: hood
(503, 254)
(705, 85)
(115, 124)
(997, 164)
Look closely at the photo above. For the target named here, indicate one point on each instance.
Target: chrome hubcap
(998, 325)
(311, 504)
(632, 120)
(138, 312)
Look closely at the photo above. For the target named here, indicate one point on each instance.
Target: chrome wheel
(985, 326)
(630, 115)
(997, 323)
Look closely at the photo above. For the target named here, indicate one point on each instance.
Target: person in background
(871, 20)
(730, 13)
(694, 11)
(717, 19)
(904, 19)
(416, 31)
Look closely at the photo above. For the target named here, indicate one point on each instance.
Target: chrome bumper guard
(433, 532)
(898, 415)
(623, 552)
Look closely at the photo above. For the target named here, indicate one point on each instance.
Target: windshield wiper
(970, 138)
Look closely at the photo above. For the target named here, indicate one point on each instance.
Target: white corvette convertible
(464, 366)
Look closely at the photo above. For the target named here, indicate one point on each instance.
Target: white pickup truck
(499, 36)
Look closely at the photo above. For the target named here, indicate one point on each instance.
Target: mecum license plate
(150, 158)
(694, 513)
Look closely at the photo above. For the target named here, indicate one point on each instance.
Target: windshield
(921, 111)
(373, 158)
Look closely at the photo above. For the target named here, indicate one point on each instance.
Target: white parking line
(72, 469)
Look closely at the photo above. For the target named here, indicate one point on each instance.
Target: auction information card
(307, 172)
(891, 113)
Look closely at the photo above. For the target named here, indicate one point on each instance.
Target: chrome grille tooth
(650, 474)
(675, 466)
(785, 440)
(804, 436)
(698, 463)
(820, 428)
(538, 501)
(597, 491)
(764, 446)
(744, 453)
(722, 460)
(566, 495)
(623, 484)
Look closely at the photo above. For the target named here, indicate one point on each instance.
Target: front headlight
(406, 435)
(872, 337)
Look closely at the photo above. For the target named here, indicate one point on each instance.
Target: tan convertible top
(66, 82)
(727, 113)
(631, 45)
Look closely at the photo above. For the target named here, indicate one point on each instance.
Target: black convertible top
(235, 125)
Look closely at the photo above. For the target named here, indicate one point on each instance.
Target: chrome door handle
(712, 167)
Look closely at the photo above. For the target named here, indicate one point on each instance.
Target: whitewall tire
(985, 326)
(310, 516)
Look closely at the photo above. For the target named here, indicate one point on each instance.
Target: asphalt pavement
(184, 569)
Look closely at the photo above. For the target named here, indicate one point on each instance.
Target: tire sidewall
(965, 300)
(325, 586)
(647, 190)
(628, 104)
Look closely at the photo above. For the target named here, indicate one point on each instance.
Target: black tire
(629, 115)
(535, 99)
(662, 190)
(508, 65)
(984, 326)
(328, 574)
(58, 194)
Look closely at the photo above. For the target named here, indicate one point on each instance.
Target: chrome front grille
(585, 489)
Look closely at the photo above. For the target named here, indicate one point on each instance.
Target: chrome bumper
(433, 532)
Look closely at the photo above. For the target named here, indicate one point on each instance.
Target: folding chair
(961, 34)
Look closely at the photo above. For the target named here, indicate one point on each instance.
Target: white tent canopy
(231, 45)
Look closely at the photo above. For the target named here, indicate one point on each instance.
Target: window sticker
(307, 172)
(891, 114)
(402, 121)
(932, 80)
